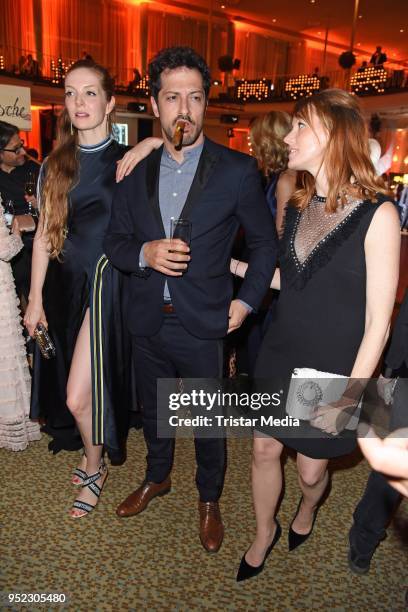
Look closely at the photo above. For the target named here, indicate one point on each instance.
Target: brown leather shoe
(138, 500)
(211, 527)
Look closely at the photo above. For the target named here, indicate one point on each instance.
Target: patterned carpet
(155, 561)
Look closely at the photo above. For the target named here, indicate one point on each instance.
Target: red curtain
(261, 56)
(166, 29)
(108, 31)
(17, 35)
(69, 28)
(121, 49)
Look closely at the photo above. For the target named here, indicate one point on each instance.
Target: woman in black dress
(338, 276)
(70, 234)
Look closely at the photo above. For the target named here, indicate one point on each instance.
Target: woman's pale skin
(284, 189)
(132, 157)
(19, 225)
(307, 145)
(88, 110)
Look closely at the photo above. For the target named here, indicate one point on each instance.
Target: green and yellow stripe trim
(97, 351)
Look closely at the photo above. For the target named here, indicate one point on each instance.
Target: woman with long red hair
(339, 262)
(77, 186)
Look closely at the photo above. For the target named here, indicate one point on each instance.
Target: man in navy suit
(180, 303)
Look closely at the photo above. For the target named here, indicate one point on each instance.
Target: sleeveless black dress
(67, 295)
(319, 317)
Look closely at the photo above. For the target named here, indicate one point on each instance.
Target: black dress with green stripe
(68, 292)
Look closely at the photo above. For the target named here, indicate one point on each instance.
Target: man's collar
(192, 153)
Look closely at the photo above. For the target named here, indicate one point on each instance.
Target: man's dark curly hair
(7, 131)
(176, 57)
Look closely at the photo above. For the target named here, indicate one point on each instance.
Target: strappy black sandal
(90, 482)
(80, 474)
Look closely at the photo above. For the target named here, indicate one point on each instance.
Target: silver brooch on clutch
(309, 393)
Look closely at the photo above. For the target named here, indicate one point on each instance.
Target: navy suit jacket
(226, 192)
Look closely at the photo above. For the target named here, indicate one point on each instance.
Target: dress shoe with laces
(295, 539)
(211, 527)
(138, 501)
(246, 570)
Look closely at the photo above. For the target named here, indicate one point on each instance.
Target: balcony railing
(363, 81)
(47, 68)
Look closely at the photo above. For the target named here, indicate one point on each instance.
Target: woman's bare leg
(79, 402)
(266, 489)
(313, 479)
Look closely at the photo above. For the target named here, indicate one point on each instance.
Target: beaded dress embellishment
(314, 227)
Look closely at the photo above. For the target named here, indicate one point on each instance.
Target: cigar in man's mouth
(178, 135)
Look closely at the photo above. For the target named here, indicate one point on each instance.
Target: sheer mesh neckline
(321, 251)
(314, 226)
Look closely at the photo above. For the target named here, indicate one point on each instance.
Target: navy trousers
(173, 352)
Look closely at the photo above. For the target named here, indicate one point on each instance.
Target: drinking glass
(29, 186)
(181, 229)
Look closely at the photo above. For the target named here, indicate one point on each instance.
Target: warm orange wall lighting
(40, 107)
(400, 151)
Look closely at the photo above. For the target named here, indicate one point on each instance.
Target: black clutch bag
(43, 339)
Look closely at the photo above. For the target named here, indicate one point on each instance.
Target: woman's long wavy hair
(62, 166)
(346, 161)
(267, 133)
